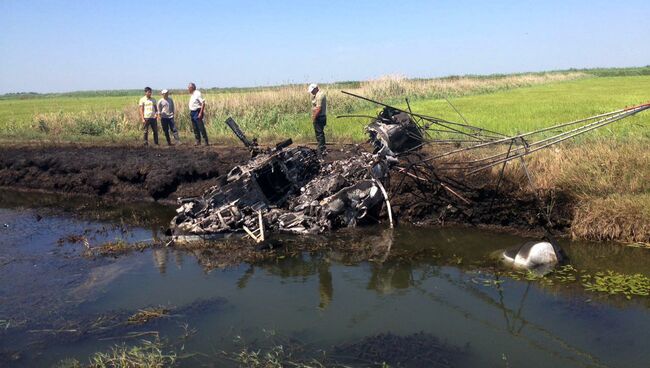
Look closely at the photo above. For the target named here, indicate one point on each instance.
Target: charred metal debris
(286, 189)
(293, 190)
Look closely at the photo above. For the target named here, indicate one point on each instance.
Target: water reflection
(514, 319)
(401, 259)
(160, 259)
(385, 278)
(325, 287)
(446, 277)
(370, 281)
(97, 280)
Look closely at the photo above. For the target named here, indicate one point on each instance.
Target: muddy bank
(163, 174)
(121, 172)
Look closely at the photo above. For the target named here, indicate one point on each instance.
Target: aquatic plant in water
(616, 283)
(145, 315)
(610, 282)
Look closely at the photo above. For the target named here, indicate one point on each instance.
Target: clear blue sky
(59, 45)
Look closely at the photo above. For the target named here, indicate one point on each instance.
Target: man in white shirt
(197, 111)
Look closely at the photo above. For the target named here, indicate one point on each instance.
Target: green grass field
(511, 109)
(529, 108)
(23, 111)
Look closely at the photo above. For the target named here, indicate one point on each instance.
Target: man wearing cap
(197, 110)
(166, 109)
(148, 116)
(318, 114)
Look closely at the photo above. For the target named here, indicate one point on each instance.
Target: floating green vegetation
(566, 273)
(526, 275)
(613, 283)
(563, 274)
(610, 282)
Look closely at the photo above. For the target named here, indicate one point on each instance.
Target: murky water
(430, 297)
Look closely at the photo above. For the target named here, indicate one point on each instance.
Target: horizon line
(573, 69)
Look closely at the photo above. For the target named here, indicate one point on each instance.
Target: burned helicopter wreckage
(286, 189)
(291, 190)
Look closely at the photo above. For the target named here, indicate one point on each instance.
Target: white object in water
(532, 255)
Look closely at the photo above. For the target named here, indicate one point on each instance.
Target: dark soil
(477, 201)
(122, 172)
(128, 173)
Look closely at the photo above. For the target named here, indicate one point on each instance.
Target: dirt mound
(123, 171)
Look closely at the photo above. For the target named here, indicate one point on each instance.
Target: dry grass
(149, 354)
(111, 124)
(146, 354)
(596, 167)
(293, 99)
(607, 181)
(615, 217)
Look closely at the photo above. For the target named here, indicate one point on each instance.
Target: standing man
(166, 113)
(148, 116)
(197, 111)
(318, 115)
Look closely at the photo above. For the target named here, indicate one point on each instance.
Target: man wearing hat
(318, 114)
(166, 114)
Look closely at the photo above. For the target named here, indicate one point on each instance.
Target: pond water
(421, 297)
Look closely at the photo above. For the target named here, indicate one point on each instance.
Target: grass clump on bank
(616, 217)
(147, 354)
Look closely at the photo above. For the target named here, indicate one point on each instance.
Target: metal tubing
(524, 134)
(425, 117)
(619, 114)
(503, 169)
(631, 112)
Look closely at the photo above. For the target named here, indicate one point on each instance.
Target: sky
(72, 45)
